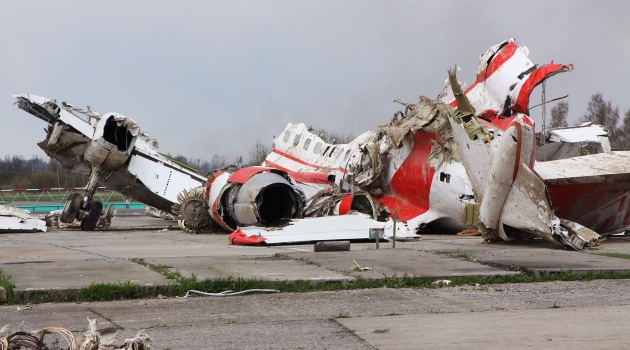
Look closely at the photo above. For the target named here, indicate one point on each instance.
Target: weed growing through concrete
(162, 269)
(341, 315)
(555, 306)
(612, 254)
(463, 256)
(5, 281)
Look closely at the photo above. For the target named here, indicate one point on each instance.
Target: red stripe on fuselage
(502, 56)
(300, 161)
(410, 186)
(533, 79)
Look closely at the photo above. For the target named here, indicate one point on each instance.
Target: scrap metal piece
(569, 142)
(345, 227)
(19, 220)
(229, 293)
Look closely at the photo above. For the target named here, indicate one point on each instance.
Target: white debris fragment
(19, 220)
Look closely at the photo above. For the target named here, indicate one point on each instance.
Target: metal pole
(394, 242)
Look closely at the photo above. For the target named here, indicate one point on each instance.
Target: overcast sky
(208, 78)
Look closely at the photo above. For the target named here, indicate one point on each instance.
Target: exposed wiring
(229, 293)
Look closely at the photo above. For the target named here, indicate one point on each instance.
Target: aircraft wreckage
(469, 158)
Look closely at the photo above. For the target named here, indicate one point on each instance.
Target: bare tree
(217, 162)
(623, 136)
(603, 113)
(333, 137)
(559, 115)
(259, 152)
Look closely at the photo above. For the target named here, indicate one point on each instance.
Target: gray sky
(209, 78)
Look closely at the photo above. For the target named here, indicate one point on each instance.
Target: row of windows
(318, 147)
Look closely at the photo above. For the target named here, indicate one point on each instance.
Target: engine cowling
(254, 196)
(114, 138)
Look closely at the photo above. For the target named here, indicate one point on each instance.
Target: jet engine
(114, 138)
(254, 196)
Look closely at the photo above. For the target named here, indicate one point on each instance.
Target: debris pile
(92, 339)
(104, 221)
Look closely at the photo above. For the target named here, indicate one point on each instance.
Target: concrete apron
(70, 259)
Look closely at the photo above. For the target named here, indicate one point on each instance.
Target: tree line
(19, 172)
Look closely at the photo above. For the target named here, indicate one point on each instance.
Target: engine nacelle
(254, 196)
(113, 141)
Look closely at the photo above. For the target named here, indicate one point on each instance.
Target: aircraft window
(326, 150)
(332, 152)
(318, 147)
(296, 139)
(306, 144)
(339, 153)
(287, 134)
(346, 156)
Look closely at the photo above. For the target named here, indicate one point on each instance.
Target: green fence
(48, 199)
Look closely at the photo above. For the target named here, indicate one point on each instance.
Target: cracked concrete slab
(76, 274)
(265, 268)
(545, 328)
(396, 261)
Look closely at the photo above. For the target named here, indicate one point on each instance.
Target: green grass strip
(182, 284)
(128, 290)
(612, 255)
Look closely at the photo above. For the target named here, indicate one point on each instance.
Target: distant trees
(18, 172)
(335, 137)
(18, 164)
(623, 139)
(559, 114)
(599, 111)
(259, 152)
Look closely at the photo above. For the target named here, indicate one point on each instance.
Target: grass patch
(5, 281)
(162, 269)
(381, 330)
(554, 306)
(463, 256)
(612, 255)
(128, 290)
(341, 315)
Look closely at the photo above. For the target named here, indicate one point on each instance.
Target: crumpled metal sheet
(505, 79)
(20, 220)
(351, 226)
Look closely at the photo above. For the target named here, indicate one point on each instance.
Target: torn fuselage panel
(592, 190)
(505, 79)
